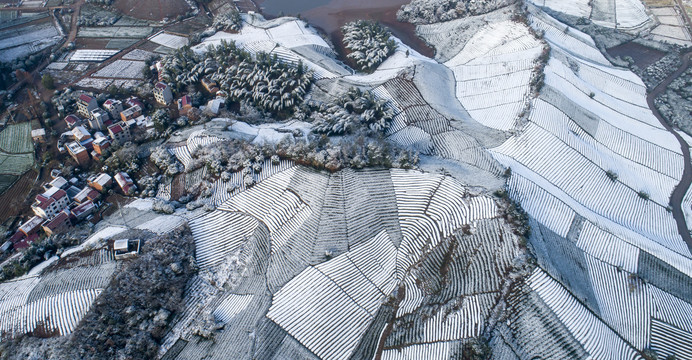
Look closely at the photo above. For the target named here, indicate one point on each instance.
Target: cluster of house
(64, 204)
(107, 125)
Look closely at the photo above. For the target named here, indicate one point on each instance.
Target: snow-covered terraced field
(54, 303)
(493, 73)
(627, 15)
(389, 222)
(595, 170)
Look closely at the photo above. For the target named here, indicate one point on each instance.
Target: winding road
(680, 190)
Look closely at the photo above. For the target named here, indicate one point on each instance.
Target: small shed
(125, 248)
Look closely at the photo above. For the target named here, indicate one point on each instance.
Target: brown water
(330, 15)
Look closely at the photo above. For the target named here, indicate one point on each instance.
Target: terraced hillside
(54, 303)
(276, 260)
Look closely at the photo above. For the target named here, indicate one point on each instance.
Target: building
(58, 223)
(98, 119)
(50, 203)
(58, 182)
(80, 133)
(31, 226)
(114, 107)
(85, 104)
(132, 101)
(86, 194)
(120, 133)
(78, 152)
(100, 182)
(72, 121)
(210, 85)
(184, 104)
(101, 145)
(125, 248)
(125, 182)
(214, 106)
(162, 93)
(83, 210)
(38, 135)
(131, 113)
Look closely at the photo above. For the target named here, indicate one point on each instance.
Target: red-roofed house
(85, 104)
(72, 121)
(114, 107)
(184, 104)
(120, 133)
(59, 222)
(125, 182)
(82, 211)
(50, 203)
(31, 226)
(133, 100)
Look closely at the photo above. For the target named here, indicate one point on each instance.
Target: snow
(169, 40)
(92, 55)
(122, 69)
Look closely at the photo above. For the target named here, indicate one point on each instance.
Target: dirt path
(680, 190)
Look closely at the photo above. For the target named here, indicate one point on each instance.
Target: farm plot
(493, 73)
(16, 149)
(16, 138)
(122, 69)
(22, 41)
(54, 303)
(134, 32)
(169, 40)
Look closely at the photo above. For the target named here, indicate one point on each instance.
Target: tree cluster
(131, 316)
(369, 43)
(228, 21)
(321, 152)
(434, 11)
(269, 84)
(351, 112)
(165, 161)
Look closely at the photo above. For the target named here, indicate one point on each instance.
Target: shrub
(612, 175)
(643, 194)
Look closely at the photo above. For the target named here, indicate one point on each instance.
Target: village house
(78, 152)
(98, 120)
(184, 105)
(101, 145)
(80, 212)
(58, 182)
(72, 121)
(50, 203)
(131, 113)
(114, 107)
(58, 223)
(80, 134)
(162, 93)
(85, 104)
(100, 182)
(31, 226)
(125, 182)
(86, 194)
(38, 135)
(120, 133)
(125, 248)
